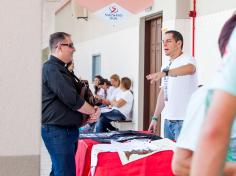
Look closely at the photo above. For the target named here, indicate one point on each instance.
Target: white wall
(117, 56)
(213, 6)
(208, 28)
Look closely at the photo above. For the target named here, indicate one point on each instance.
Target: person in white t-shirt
(108, 89)
(120, 108)
(115, 82)
(179, 81)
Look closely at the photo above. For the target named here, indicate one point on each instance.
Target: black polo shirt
(60, 100)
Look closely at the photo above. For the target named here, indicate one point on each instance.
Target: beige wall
(48, 19)
(20, 90)
(64, 21)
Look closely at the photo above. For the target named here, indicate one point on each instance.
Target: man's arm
(94, 112)
(230, 169)
(86, 108)
(119, 103)
(159, 107)
(188, 69)
(181, 161)
(210, 155)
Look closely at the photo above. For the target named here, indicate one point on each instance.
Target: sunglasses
(70, 45)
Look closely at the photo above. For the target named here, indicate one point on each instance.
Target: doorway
(152, 63)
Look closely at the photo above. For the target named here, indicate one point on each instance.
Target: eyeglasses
(70, 45)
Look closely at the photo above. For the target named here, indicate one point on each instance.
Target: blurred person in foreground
(211, 150)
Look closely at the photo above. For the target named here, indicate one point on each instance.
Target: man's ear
(58, 48)
(179, 42)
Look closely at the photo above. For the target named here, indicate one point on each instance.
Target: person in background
(209, 156)
(88, 127)
(179, 81)
(108, 88)
(115, 80)
(62, 107)
(120, 108)
(98, 91)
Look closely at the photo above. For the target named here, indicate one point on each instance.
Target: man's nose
(164, 42)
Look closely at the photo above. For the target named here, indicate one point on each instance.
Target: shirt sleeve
(62, 86)
(193, 121)
(127, 95)
(189, 60)
(226, 77)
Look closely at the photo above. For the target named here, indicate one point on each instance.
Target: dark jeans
(61, 144)
(104, 122)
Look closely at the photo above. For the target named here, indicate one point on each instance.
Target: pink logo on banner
(133, 6)
(113, 9)
(113, 13)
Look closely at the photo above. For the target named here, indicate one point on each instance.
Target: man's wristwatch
(166, 71)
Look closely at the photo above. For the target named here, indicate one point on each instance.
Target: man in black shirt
(62, 107)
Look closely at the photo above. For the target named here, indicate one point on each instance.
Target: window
(96, 70)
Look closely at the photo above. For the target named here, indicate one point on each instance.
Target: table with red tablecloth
(109, 164)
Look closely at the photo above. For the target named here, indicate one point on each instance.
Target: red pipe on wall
(193, 14)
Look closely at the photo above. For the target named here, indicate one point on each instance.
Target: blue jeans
(104, 122)
(61, 143)
(172, 129)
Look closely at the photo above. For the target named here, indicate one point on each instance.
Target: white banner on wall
(113, 13)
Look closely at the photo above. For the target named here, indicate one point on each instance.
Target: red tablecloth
(109, 164)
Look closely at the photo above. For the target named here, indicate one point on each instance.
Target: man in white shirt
(179, 81)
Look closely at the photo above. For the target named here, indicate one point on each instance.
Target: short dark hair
(226, 32)
(57, 37)
(126, 82)
(104, 81)
(177, 36)
(99, 77)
